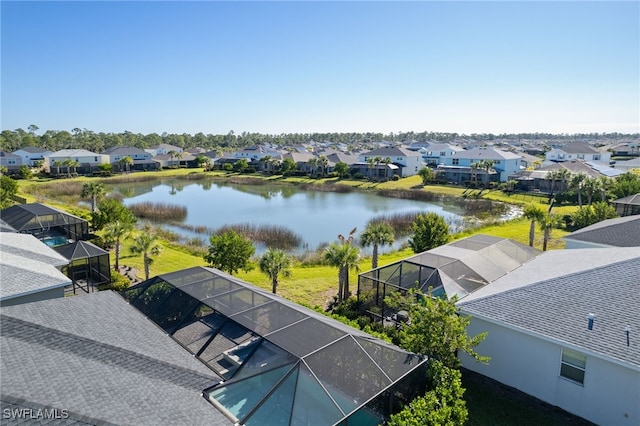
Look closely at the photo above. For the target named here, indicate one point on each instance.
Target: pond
(316, 216)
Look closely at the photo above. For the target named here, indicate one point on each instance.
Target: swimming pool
(56, 241)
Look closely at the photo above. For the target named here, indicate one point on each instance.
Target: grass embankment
(311, 285)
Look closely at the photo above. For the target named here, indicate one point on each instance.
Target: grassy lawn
(492, 403)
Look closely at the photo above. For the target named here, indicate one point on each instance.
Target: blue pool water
(55, 241)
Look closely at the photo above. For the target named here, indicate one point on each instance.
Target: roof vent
(591, 318)
(627, 331)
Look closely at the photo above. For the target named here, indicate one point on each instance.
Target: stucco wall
(610, 394)
(35, 297)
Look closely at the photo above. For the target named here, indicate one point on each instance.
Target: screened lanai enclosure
(54, 227)
(88, 265)
(458, 268)
(278, 363)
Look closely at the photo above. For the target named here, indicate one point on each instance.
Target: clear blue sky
(281, 67)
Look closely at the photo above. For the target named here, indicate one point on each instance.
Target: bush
(395, 178)
(118, 283)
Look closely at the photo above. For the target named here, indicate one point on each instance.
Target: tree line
(77, 138)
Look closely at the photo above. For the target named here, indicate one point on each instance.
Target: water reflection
(317, 216)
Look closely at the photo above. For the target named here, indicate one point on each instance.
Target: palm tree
(57, 164)
(474, 172)
(323, 162)
(591, 186)
(93, 190)
(125, 163)
(146, 243)
(114, 233)
(313, 165)
(577, 183)
(376, 234)
(275, 262)
(547, 223)
(533, 213)
(171, 154)
(343, 255)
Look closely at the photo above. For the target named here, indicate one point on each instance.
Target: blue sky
(283, 67)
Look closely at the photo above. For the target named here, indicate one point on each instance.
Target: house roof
(557, 308)
(617, 232)
(578, 148)
(631, 200)
(124, 150)
(33, 150)
(80, 250)
(391, 151)
(338, 157)
(103, 361)
(5, 227)
(268, 350)
(483, 153)
(22, 276)
(29, 247)
(73, 153)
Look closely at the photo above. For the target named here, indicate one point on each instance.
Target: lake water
(317, 217)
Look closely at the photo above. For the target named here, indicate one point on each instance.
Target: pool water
(56, 241)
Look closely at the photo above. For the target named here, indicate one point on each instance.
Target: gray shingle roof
(631, 199)
(22, 276)
(392, 151)
(124, 150)
(558, 308)
(618, 232)
(578, 148)
(486, 154)
(102, 360)
(28, 246)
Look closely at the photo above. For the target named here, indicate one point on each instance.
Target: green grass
(492, 403)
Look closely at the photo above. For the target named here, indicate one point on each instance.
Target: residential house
(626, 149)
(301, 159)
(577, 151)
(435, 154)
(162, 149)
(178, 159)
(617, 232)
(11, 161)
(564, 328)
(85, 161)
(141, 159)
(31, 154)
(30, 270)
(407, 162)
(255, 153)
(458, 168)
(539, 179)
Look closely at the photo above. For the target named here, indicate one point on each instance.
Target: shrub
(118, 283)
(395, 178)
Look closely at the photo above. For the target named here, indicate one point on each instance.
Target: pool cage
(88, 265)
(45, 222)
(458, 268)
(279, 363)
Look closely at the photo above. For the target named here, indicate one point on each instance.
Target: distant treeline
(11, 140)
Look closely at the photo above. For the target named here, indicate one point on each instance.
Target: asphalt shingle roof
(558, 308)
(618, 232)
(29, 247)
(22, 276)
(101, 360)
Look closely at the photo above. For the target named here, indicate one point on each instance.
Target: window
(573, 366)
(443, 153)
(580, 156)
(456, 161)
(596, 158)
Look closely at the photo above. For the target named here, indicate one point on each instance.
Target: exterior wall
(86, 161)
(30, 158)
(410, 165)
(557, 154)
(575, 244)
(53, 293)
(610, 393)
(10, 161)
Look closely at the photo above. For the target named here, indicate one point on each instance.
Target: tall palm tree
(171, 154)
(274, 263)
(114, 233)
(93, 190)
(547, 223)
(345, 257)
(57, 164)
(376, 234)
(323, 162)
(577, 183)
(591, 186)
(534, 213)
(146, 243)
